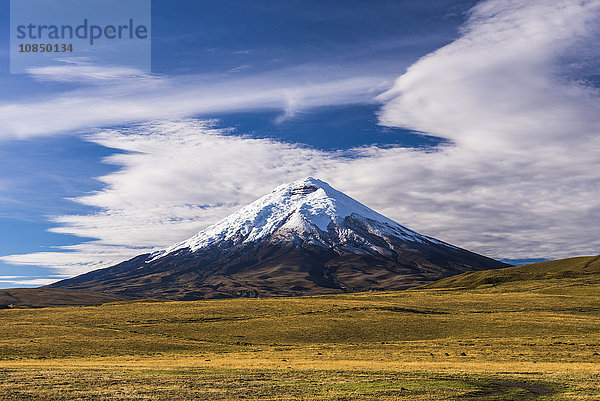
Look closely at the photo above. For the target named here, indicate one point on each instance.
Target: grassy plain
(535, 338)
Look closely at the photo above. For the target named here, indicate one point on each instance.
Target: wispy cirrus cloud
(118, 96)
(16, 281)
(81, 70)
(175, 177)
(521, 178)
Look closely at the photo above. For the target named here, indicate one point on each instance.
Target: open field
(514, 340)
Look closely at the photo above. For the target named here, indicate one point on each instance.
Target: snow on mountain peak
(301, 206)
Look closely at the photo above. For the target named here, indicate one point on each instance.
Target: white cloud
(76, 259)
(499, 85)
(117, 96)
(176, 177)
(527, 142)
(14, 281)
(521, 179)
(33, 282)
(83, 72)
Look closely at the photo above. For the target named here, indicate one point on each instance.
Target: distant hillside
(571, 268)
(41, 297)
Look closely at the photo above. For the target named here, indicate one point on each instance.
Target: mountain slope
(304, 238)
(583, 267)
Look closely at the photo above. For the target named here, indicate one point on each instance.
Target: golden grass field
(529, 338)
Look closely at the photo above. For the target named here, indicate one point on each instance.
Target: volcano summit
(304, 238)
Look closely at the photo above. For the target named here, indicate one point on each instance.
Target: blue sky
(435, 113)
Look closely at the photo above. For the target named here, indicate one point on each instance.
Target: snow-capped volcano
(308, 209)
(303, 238)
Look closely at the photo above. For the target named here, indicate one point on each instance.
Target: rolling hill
(42, 297)
(578, 269)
